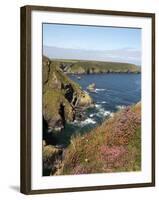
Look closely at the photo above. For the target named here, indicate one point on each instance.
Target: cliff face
(92, 67)
(61, 96)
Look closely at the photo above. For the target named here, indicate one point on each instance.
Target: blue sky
(103, 43)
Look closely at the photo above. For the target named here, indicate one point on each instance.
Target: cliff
(92, 67)
(61, 97)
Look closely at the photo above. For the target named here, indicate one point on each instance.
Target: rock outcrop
(61, 96)
(96, 67)
(52, 159)
(91, 87)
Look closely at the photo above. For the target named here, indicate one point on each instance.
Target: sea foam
(99, 90)
(85, 122)
(120, 107)
(101, 111)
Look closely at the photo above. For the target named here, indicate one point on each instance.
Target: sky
(92, 43)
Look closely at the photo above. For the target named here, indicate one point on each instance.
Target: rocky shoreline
(63, 102)
(61, 97)
(58, 160)
(96, 67)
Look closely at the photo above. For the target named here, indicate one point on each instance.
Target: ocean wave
(84, 123)
(88, 121)
(98, 106)
(92, 115)
(101, 112)
(99, 89)
(120, 107)
(102, 102)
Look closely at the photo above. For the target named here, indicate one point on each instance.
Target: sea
(112, 93)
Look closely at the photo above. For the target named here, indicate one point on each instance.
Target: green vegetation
(61, 96)
(52, 73)
(89, 67)
(114, 146)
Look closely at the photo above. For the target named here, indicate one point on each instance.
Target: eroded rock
(61, 97)
(51, 156)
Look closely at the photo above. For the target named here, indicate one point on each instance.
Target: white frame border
(54, 182)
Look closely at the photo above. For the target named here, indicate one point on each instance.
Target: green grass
(114, 146)
(77, 66)
(111, 147)
(136, 143)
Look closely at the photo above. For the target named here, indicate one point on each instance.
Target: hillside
(114, 146)
(90, 67)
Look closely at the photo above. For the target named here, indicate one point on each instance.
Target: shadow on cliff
(61, 138)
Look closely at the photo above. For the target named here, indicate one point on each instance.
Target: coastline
(78, 158)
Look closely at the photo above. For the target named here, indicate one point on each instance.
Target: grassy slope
(98, 66)
(114, 146)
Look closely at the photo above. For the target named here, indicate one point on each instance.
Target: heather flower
(124, 127)
(112, 153)
(81, 169)
(113, 157)
(114, 146)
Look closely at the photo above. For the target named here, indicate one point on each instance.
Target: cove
(113, 92)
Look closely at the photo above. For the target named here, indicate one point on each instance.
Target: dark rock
(51, 155)
(69, 91)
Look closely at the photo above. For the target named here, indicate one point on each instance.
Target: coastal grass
(114, 146)
(80, 67)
